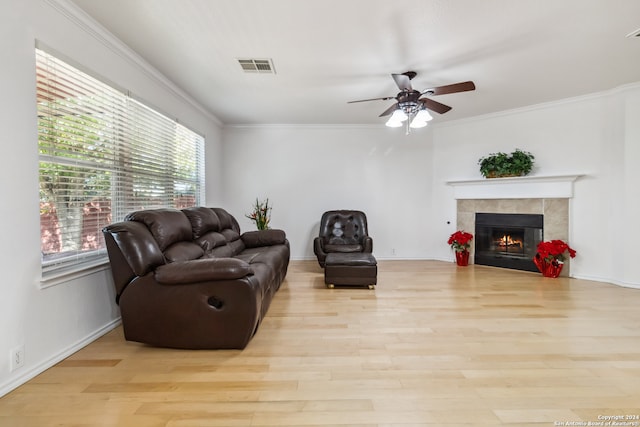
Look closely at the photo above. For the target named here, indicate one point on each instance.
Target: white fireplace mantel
(522, 187)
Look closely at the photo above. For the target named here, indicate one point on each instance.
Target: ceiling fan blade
(403, 80)
(434, 105)
(386, 98)
(453, 88)
(389, 110)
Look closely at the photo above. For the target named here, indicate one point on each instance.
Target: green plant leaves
(498, 164)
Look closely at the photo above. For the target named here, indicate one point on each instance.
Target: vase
(539, 262)
(554, 268)
(462, 258)
(548, 268)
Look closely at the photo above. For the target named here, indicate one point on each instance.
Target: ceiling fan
(409, 102)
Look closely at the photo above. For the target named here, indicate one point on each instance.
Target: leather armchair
(343, 231)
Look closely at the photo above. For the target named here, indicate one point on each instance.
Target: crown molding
(300, 126)
(86, 23)
(544, 105)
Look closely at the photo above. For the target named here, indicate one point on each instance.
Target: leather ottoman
(350, 269)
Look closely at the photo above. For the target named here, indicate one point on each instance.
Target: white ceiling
(518, 52)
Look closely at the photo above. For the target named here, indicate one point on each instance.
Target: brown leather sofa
(189, 279)
(342, 231)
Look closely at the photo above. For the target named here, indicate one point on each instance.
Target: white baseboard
(25, 376)
(604, 280)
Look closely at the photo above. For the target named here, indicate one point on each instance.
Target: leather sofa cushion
(343, 248)
(183, 251)
(211, 240)
(202, 270)
(230, 234)
(226, 220)
(354, 260)
(236, 246)
(167, 226)
(203, 220)
(220, 251)
(274, 256)
(343, 227)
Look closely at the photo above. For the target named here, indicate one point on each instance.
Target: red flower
(555, 250)
(459, 241)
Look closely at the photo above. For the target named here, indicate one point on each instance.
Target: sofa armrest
(201, 270)
(253, 239)
(367, 244)
(318, 248)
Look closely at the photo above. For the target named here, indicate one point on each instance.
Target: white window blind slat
(103, 154)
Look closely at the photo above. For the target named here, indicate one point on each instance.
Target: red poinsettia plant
(555, 250)
(460, 241)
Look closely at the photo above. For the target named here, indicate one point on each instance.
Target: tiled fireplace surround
(549, 196)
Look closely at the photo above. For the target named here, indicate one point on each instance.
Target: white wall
(52, 322)
(627, 232)
(306, 170)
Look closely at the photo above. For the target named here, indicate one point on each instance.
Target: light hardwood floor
(432, 345)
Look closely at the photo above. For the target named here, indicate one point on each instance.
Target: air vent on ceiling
(635, 33)
(257, 66)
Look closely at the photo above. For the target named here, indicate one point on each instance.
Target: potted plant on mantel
(500, 165)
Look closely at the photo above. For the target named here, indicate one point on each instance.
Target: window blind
(103, 154)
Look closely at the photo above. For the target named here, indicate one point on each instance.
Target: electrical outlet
(393, 251)
(17, 357)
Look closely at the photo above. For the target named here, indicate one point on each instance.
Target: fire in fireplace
(508, 240)
(509, 244)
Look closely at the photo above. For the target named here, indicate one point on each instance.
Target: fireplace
(507, 240)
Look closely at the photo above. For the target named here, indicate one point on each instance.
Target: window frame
(141, 145)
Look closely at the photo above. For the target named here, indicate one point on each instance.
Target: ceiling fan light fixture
(416, 124)
(398, 116)
(423, 116)
(393, 123)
